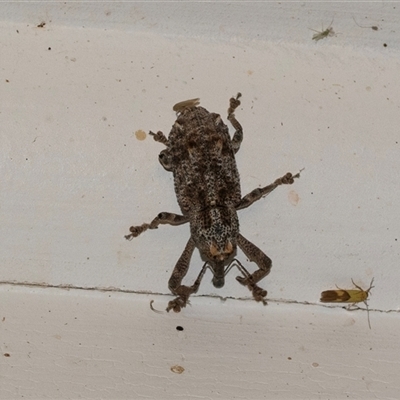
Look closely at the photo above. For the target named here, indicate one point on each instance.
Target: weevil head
(215, 233)
(219, 252)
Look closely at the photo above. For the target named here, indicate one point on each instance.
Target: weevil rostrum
(201, 155)
(348, 296)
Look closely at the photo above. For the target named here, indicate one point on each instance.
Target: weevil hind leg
(256, 194)
(162, 218)
(234, 103)
(264, 265)
(175, 282)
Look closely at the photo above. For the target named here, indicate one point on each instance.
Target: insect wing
(346, 296)
(335, 296)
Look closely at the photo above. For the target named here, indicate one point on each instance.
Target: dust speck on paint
(140, 135)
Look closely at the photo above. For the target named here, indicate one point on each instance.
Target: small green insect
(348, 296)
(324, 33)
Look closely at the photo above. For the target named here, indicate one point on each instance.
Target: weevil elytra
(201, 155)
(348, 296)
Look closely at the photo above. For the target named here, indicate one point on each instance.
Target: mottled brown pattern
(201, 155)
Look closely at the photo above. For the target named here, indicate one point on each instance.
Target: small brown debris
(177, 369)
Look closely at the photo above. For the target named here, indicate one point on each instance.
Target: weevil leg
(258, 292)
(162, 218)
(234, 103)
(256, 194)
(159, 137)
(179, 272)
(263, 262)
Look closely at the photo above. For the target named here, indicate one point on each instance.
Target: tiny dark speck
(49, 48)
(179, 328)
(6, 354)
(384, 45)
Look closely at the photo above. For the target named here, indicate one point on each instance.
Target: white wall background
(74, 175)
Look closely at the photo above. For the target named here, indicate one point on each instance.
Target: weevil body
(201, 155)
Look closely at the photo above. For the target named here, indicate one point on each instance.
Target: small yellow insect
(178, 107)
(348, 296)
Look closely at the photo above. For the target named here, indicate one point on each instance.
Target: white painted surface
(72, 344)
(74, 176)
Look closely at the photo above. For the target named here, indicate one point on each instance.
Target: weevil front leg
(234, 103)
(179, 272)
(264, 264)
(162, 218)
(159, 137)
(256, 194)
